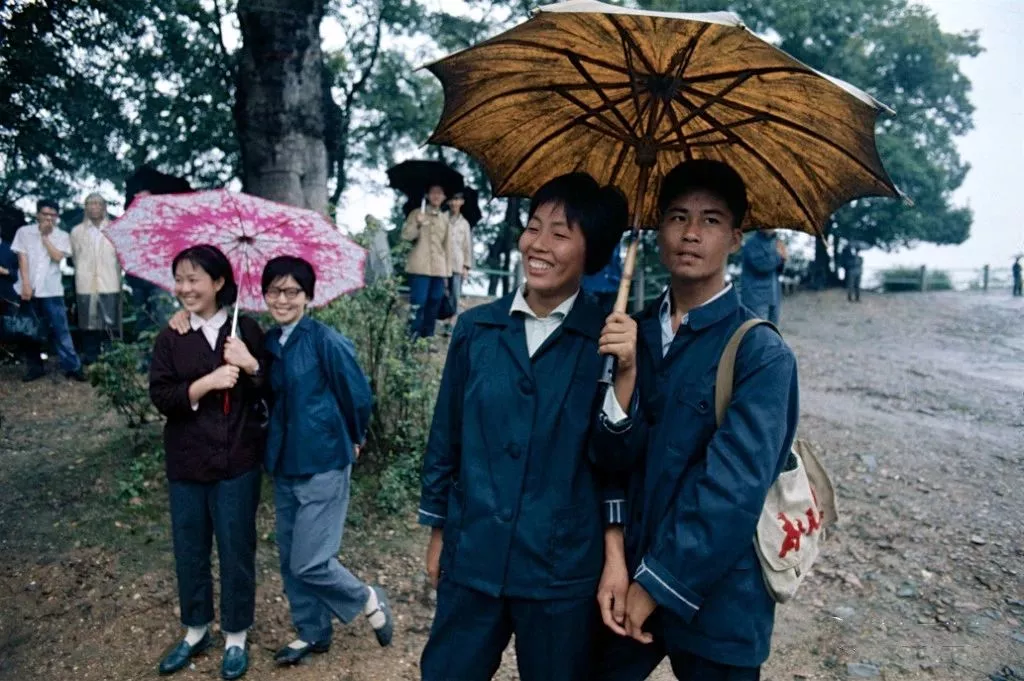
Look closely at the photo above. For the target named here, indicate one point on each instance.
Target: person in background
(9, 295)
(462, 250)
(764, 256)
(41, 248)
(854, 273)
(512, 499)
(429, 264)
(1018, 282)
(210, 388)
(97, 280)
(604, 285)
(318, 422)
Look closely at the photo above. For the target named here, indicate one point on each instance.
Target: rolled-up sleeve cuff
(430, 519)
(666, 589)
(612, 416)
(614, 512)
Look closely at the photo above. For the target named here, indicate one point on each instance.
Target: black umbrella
(471, 208)
(414, 178)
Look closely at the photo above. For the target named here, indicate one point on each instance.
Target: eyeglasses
(273, 293)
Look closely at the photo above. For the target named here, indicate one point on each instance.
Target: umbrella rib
(600, 116)
(614, 108)
(710, 101)
(619, 161)
(567, 53)
(680, 135)
(761, 71)
(767, 164)
(774, 118)
(523, 91)
(728, 126)
(627, 39)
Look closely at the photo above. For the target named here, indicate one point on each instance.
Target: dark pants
(624, 659)
(310, 522)
(94, 344)
(769, 312)
(1018, 287)
(471, 631)
(227, 510)
(54, 317)
(425, 294)
(853, 286)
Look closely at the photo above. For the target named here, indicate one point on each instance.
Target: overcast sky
(995, 148)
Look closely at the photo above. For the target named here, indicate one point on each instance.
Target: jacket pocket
(576, 543)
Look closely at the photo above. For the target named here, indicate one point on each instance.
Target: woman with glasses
(319, 418)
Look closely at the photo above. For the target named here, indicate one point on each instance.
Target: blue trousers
(769, 312)
(471, 631)
(425, 295)
(52, 314)
(310, 522)
(624, 659)
(225, 509)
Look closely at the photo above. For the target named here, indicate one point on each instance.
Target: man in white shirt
(97, 279)
(41, 248)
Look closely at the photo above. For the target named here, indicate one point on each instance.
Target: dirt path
(918, 401)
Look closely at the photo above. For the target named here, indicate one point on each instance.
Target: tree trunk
(279, 109)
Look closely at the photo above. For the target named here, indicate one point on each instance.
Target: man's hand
(26, 291)
(611, 594)
(618, 338)
(434, 555)
(180, 322)
(4, 271)
(639, 607)
(356, 451)
(236, 353)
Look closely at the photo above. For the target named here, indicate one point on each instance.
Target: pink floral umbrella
(249, 230)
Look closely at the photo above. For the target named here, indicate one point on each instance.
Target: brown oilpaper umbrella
(626, 95)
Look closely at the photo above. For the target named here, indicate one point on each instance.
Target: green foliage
(405, 380)
(140, 475)
(119, 379)
(938, 280)
(93, 89)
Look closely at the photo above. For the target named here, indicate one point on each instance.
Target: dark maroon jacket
(207, 445)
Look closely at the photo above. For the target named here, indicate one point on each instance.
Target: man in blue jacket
(696, 490)
(763, 258)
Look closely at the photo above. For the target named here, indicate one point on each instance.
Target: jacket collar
(273, 339)
(584, 317)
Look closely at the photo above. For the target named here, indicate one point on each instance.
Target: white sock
(195, 634)
(371, 610)
(237, 639)
(297, 644)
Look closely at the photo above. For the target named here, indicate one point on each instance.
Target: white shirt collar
(286, 331)
(519, 304)
(214, 323)
(665, 315)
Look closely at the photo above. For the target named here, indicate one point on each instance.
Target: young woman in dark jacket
(209, 386)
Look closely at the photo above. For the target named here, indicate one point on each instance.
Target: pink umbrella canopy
(249, 230)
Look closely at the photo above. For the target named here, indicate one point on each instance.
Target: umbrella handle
(621, 301)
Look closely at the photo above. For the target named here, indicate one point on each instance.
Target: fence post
(924, 279)
(984, 278)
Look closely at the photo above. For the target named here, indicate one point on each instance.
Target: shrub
(120, 379)
(899, 279)
(938, 280)
(405, 381)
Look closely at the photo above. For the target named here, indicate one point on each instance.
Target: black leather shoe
(180, 655)
(385, 633)
(235, 664)
(291, 656)
(33, 375)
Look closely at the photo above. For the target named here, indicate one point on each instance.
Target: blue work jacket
(759, 281)
(507, 472)
(696, 490)
(321, 401)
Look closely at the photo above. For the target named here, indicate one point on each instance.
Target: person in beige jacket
(429, 264)
(97, 279)
(462, 248)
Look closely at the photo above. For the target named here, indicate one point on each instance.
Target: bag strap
(725, 375)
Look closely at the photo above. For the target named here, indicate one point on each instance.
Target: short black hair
(290, 266)
(211, 260)
(714, 177)
(47, 203)
(601, 213)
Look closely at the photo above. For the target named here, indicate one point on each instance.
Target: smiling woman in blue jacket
(319, 418)
(509, 490)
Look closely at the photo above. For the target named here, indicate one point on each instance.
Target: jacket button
(513, 450)
(702, 406)
(506, 515)
(526, 386)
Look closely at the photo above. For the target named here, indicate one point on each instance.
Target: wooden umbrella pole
(622, 300)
